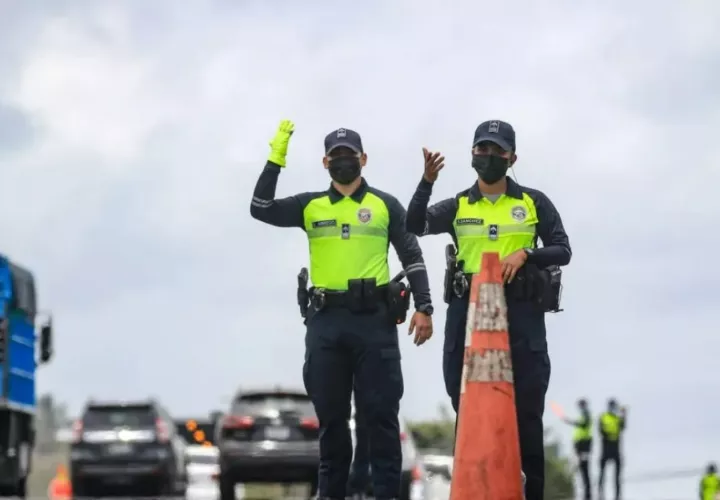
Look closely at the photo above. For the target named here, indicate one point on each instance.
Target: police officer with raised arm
(355, 306)
(582, 439)
(496, 214)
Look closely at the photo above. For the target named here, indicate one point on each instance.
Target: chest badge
(493, 232)
(364, 215)
(519, 213)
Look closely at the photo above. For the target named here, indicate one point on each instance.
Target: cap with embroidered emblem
(496, 131)
(343, 137)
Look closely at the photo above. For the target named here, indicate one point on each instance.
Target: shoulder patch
(519, 213)
(465, 222)
(364, 215)
(324, 223)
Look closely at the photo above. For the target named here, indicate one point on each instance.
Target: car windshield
(103, 417)
(252, 404)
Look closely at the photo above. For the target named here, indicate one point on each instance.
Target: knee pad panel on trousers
(387, 381)
(306, 373)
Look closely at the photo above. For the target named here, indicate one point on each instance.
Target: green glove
(279, 144)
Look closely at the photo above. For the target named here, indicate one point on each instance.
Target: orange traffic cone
(487, 448)
(60, 487)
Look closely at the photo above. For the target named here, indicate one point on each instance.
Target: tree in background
(439, 436)
(559, 473)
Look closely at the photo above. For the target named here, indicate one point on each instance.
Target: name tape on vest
(463, 222)
(324, 223)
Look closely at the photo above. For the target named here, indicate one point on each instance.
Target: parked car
(121, 446)
(268, 435)
(413, 484)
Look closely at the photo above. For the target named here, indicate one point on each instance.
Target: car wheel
(405, 488)
(79, 490)
(180, 486)
(165, 487)
(313, 488)
(21, 488)
(227, 488)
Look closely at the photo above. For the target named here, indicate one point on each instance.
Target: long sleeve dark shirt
(439, 218)
(289, 212)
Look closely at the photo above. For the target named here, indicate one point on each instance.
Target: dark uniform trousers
(610, 453)
(531, 371)
(360, 470)
(583, 449)
(343, 349)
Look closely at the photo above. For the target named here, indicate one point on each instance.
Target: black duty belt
(321, 298)
(516, 289)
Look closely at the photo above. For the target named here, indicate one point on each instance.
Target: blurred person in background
(612, 424)
(710, 483)
(582, 439)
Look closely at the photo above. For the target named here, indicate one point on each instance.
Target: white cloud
(154, 125)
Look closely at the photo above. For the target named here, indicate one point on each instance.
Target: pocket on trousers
(390, 358)
(539, 357)
(306, 372)
(538, 344)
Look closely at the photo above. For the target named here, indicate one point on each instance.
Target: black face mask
(490, 168)
(344, 169)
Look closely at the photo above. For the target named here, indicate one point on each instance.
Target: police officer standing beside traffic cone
(355, 307)
(496, 214)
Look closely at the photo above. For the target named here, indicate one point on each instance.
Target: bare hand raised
(434, 163)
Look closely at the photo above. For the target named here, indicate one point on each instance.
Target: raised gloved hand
(279, 144)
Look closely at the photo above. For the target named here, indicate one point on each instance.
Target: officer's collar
(357, 196)
(513, 190)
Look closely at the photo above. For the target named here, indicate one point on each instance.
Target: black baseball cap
(499, 132)
(343, 137)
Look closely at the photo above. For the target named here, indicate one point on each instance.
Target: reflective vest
(348, 240)
(610, 424)
(504, 227)
(583, 432)
(710, 486)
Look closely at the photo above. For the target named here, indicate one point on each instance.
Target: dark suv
(126, 447)
(268, 436)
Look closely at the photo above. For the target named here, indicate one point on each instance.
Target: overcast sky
(132, 133)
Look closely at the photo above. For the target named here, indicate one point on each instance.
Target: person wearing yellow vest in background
(60, 488)
(498, 215)
(612, 424)
(710, 484)
(352, 335)
(582, 438)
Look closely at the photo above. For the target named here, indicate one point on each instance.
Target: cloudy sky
(132, 133)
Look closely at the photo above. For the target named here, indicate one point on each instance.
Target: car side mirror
(46, 344)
